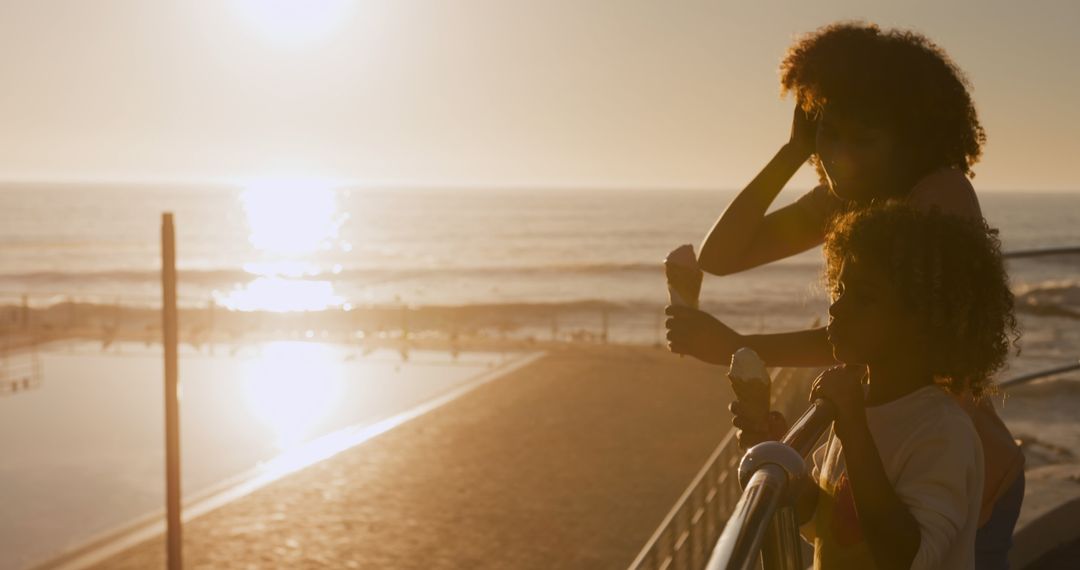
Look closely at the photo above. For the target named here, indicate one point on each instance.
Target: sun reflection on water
(279, 294)
(291, 387)
(291, 217)
(289, 223)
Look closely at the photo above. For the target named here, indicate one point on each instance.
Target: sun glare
(291, 386)
(291, 217)
(293, 22)
(289, 221)
(280, 295)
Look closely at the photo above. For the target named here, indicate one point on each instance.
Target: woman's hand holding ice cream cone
(699, 334)
(683, 276)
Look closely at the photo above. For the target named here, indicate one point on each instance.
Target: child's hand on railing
(750, 432)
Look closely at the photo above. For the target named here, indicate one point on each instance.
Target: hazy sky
(541, 92)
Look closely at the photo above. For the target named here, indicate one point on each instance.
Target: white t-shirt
(933, 458)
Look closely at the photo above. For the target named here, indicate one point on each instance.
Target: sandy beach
(570, 462)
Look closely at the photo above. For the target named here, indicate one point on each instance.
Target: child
(921, 306)
(880, 114)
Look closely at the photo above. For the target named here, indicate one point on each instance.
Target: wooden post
(172, 405)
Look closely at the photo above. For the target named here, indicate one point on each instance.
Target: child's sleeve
(807, 529)
(939, 481)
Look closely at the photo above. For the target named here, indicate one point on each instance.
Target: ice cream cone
(751, 384)
(683, 276)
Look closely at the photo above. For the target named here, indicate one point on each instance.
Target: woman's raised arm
(743, 236)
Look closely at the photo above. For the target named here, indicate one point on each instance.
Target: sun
(293, 22)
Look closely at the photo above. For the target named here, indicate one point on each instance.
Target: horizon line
(349, 184)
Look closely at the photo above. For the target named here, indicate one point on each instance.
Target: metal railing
(686, 536)
(764, 520)
(20, 366)
(1025, 378)
(1042, 251)
(53, 315)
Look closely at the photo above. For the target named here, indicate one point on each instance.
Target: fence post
(25, 312)
(210, 308)
(172, 405)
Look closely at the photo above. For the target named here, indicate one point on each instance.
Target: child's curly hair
(897, 78)
(948, 271)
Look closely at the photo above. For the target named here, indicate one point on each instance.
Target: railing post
(172, 405)
(764, 519)
(739, 544)
(782, 550)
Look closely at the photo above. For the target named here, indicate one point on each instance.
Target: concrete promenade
(570, 462)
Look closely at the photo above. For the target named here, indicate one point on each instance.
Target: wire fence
(34, 322)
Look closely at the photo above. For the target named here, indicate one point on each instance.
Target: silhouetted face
(867, 323)
(859, 159)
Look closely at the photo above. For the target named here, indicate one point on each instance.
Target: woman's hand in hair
(701, 335)
(803, 132)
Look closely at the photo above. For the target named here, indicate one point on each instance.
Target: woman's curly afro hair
(948, 272)
(895, 78)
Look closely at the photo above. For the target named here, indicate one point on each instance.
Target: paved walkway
(570, 462)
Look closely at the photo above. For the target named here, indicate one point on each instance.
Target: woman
(881, 114)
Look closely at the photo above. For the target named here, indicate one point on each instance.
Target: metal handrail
(1041, 251)
(740, 543)
(804, 434)
(770, 472)
(1025, 378)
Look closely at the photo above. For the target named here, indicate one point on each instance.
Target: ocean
(295, 247)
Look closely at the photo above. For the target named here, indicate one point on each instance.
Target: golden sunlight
(291, 386)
